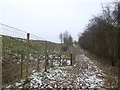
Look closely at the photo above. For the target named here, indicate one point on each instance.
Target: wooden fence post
(46, 56)
(71, 54)
(0, 61)
(118, 58)
(71, 59)
(27, 52)
(22, 57)
(38, 62)
(52, 60)
(60, 60)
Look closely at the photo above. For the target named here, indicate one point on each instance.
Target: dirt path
(83, 74)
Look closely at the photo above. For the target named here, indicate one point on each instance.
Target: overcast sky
(48, 18)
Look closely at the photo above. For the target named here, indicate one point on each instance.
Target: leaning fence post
(27, 52)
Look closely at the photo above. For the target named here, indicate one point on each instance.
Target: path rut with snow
(83, 74)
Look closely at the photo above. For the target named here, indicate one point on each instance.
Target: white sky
(48, 18)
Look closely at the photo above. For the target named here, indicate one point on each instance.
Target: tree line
(66, 41)
(102, 34)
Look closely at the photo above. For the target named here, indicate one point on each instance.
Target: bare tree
(61, 37)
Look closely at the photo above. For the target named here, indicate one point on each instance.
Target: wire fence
(24, 53)
(20, 53)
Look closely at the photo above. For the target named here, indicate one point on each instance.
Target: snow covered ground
(83, 74)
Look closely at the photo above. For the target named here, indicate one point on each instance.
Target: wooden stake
(46, 58)
(38, 64)
(27, 52)
(52, 61)
(71, 59)
(22, 64)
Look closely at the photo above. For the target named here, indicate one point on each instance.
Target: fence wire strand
(14, 32)
(24, 53)
(18, 55)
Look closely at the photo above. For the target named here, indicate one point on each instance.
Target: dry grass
(110, 73)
